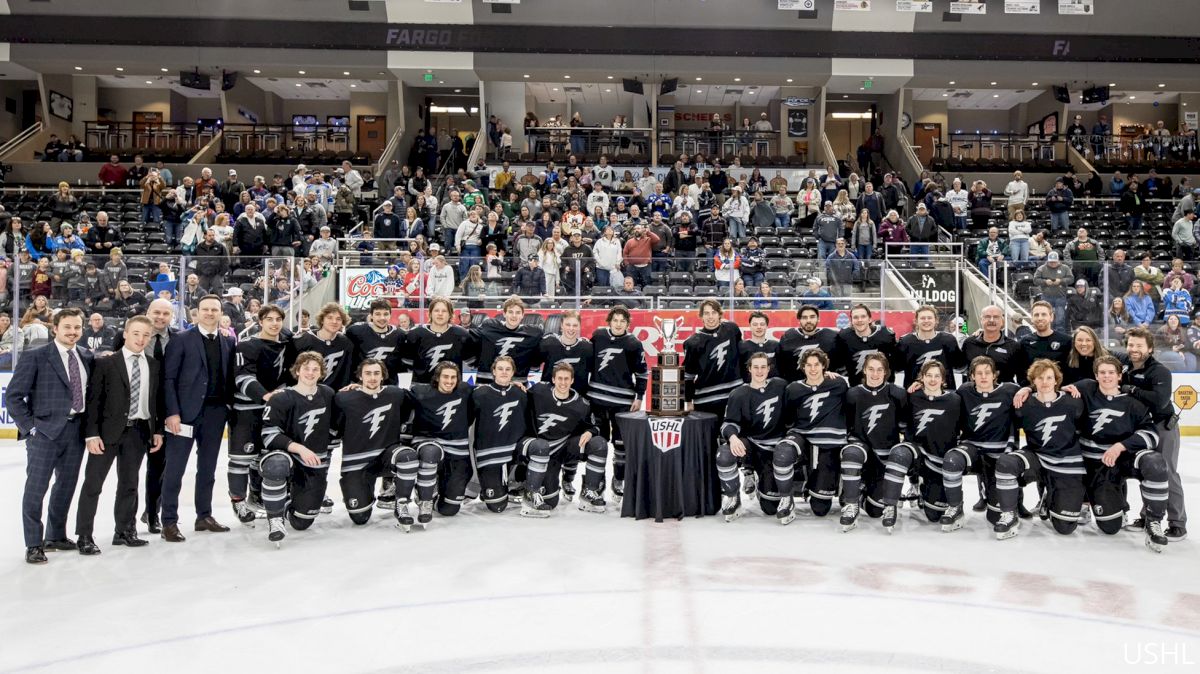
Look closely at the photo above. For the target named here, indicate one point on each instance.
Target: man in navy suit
(46, 400)
(198, 387)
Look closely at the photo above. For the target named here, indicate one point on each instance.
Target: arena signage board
(797, 102)
(852, 5)
(1022, 6)
(935, 287)
(923, 6)
(972, 7)
(357, 286)
(1076, 7)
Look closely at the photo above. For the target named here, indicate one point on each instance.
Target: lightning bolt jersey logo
(874, 414)
(718, 353)
(279, 364)
(928, 356)
(437, 354)
(767, 409)
(860, 358)
(1048, 425)
(814, 404)
(506, 344)
(982, 412)
(1102, 417)
(375, 418)
(380, 352)
(548, 421)
(503, 412)
(926, 416)
(800, 352)
(606, 356)
(447, 411)
(331, 362)
(310, 419)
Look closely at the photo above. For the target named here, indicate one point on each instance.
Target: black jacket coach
(108, 398)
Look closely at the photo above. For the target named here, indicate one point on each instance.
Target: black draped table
(670, 469)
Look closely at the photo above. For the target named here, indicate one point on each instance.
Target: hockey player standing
(618, 382)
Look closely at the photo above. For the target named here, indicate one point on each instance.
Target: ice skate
(786, 512)
(245, 514)
(591, 502)
(1007, 526)
(387, 497)
(731, 507)
(534, 505)
(618, 489)
(568, 487)
(254, 500)
(1085, 515)
(404, 518)
(1156, 540)
(749, 482)
(424, 513)
(849, 519)
(327, 505)
(952, 519)
(889, 518)
(276, 531)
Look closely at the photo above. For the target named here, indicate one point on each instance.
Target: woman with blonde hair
(63, 205)
(1086, 347)
(473, 287)
(549, 260)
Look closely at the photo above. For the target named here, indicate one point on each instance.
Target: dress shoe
(87, 546)
(152, 523)
(61, 544)
(129, 538)
(171, 534)
(35, 555)
(209, 524)
(1176, 533)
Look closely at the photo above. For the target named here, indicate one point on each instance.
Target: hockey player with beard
(441, 429)
(876, 413)
(927, 344)
(618, 382)
(1120, 442)
(369, 420)
(376, 338)
(297, 434)
(507, 335)
(426, 346)
(261, 365)
(562, 422)
(859, 340)
(1051, 420)
(498, 413)
(988, 432)
(567, 346)
(816, 434)
(932, 430)
(758, 343)
(754, 425)
(798, 341)
(710, 361)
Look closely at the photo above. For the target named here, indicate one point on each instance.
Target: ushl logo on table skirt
(666, 433)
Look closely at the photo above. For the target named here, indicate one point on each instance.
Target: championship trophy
(666, 378)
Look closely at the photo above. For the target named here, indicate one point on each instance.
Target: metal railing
(275, 138)
(1003, 147)
(20, 139)
(556, 142)
(724, 144)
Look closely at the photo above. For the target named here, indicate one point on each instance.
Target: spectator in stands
(42, 281)
(1186, 204)
(249, 233)
(1084, 306)
(865, 235)
(853, 187)
(1132, 204)
(127, 302)
(841, 268)
(808, 204)
(60, 269)
(1017, 191)
(1183, 234)
(67, 240)
(578, 265)
(607, 251)
(452, 215)
(827, 229)
(726, 263)
(1178, 271)
(137, 173)
(325, 247)
(762, 214)
(12, 239)
(529, 283)
(1151, 275)
(685, 240)
(753, 263)
(894, 195)
(1117, 185)
(63, 205)
(206, 184)
(1019, 230)
(1039, 248)
(1085, 255)
(1172, 342)
(230, 191)
(766, 298)
(980, 203)
(1177, 300)
(8, 337)
(439, 280)
(40, 242)
(1100, 136)
(283, 234)
(53, 150)
(893, 231)
(113, 174)
(102, 237)
(942, 212)
(921, 230)
(1118, 318)
(1052, 280)
(212, 260)
(74, 276)
(1120, 274)
(1058, 202)
(782, 206)
(550, 260)
(873, 202)
(353, 179)
(993, 250)
(816, 296)
(469, 242)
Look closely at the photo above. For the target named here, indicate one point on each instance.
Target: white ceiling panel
(157, 82)
(977, 99)
(311, 88)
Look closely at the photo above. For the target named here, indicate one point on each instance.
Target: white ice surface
(579, 592)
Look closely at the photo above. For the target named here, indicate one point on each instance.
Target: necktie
(158, 348)
(135, 384)
(76, 380)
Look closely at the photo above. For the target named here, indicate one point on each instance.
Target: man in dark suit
(198, 389)
(161, 314)
(121, 421)
(46, 400)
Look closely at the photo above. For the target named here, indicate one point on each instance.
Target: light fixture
(120, 69)
(566, 77)
(1112, 84)
(610, 77)
(789, 79)
(458, 91)
(163, 70)
(951, 81)
(554, 89)
(737, 79)
(149, 82)
(345, 72)
(862, 88)
(353, 86)
(945, 95)
(993, 84)
(608, 91)
(995, 95)
(441, 81)
(1132, 97)
(257, 71)
(845, 95)
(851, 115)
(1161, 85)
(698, 79)
(300, 71)
(299, 85)
(1034, 84)
(79, 67)
(699, 91)
(525, 76)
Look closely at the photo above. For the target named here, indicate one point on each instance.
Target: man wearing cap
(1058, 202)
(300, 179)
(530, 282)
(325, 246)
(1084, 306)
(922, 230)
(817, 296)
(230, 191)
(233, 308)
(1052, 280)
(992, 250)
(826, 228)
(353, 179)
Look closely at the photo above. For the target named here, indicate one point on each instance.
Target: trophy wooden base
(666, 386)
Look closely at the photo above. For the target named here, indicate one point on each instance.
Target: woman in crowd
(854, 187)
(1039, 248)
(1019, 230)
(473, 287)
(550, 262)
(864, 234)
(1176, 346)
(1139, 304)
(980, 202)
(892, 230)
(1177, 302)
(808, 204)
(1118, 317)
(726, 262)
(63, 205)
(40, 241)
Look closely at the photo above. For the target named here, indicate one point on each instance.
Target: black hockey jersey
(369, 423)
(444, 417)
(933, 422)
(260, 366)
(556, 421)
(1052, 431)
(577, 355)
(915, 352)
(619, 374)
(757, 415)
(337, 352)
(291, 416)
(851, 350)
(1056, 347)
(495, 339)
(794, 344)
(1006, 351)
(876, 417)
(1113, 419)
(817, 412)
(1151, 387)
(387, 346)
(710, 364)
(424, 349)
(499, 415)
(988, 422)
(748, 348)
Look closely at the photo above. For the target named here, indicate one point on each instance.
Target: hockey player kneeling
(296, 439)
(441, 429)
(562, 420)
(754, 425)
